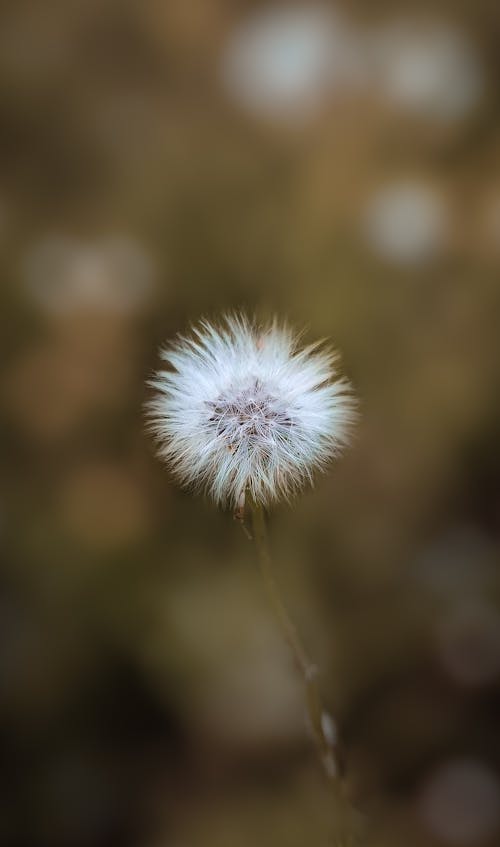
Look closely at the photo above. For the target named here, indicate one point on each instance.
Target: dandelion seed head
(243, 410)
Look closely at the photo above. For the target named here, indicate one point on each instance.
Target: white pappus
(243, 410)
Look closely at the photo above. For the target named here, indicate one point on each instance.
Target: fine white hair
(243, 410)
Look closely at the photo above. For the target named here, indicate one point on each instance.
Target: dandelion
(243, 410)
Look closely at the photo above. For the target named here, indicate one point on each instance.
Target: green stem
(308, 670)
(348, 822)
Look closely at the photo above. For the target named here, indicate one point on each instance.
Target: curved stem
(318, 718)
(349, 824)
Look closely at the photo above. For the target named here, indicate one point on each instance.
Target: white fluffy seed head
(242, 410)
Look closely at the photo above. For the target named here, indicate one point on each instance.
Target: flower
(242, 410)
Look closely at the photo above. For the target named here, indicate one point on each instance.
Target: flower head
(242, 409)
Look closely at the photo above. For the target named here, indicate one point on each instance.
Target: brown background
(147, 698)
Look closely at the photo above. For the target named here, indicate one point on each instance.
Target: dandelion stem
(318, 717)
(348, 822)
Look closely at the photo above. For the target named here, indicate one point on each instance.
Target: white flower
(242, 410)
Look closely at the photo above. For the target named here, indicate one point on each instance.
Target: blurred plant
(247, 416)
(285, 64)
(428, 68)
(459, 802)
(405, 222)
(65, 275)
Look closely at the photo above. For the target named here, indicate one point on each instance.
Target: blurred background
(337, 163)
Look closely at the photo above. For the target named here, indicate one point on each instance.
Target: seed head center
(249, 413)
